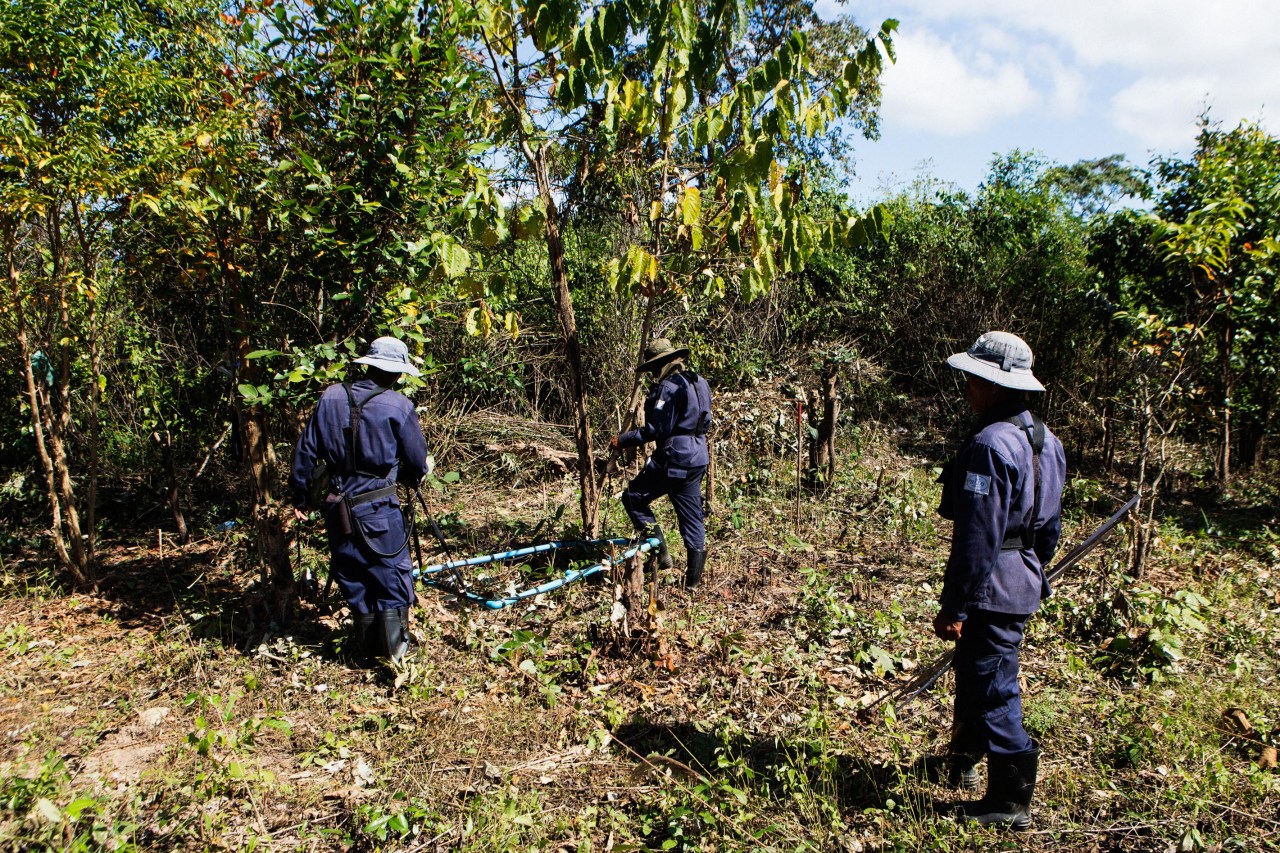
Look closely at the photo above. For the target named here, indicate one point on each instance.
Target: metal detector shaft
(503, 556)
(569, 577)
(929, 675)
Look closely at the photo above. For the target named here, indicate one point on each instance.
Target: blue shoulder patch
(979, 484)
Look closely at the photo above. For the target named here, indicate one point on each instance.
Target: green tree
(655, 84)
(325, 205)
(1093, 187)
(93, 97)
(1218, 227)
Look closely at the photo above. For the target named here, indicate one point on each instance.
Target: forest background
(206, 211)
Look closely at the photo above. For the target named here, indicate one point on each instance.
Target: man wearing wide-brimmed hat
(1003, 491)
(368, 438)
(677, 416)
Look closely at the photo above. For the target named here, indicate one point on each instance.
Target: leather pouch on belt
(339, 515)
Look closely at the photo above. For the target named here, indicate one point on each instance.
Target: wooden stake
(799, 450)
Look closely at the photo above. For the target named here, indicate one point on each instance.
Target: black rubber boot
(1011, 783)
(362, 646)
(697, 562)
(962, 758)
(664, 556)
(392, 633)
(953, 770)
(962, 772)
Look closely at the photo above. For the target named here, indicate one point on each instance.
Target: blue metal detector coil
(569, 577)
(519, 552)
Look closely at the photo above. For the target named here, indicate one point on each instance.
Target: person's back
(677, 417)
(1003, 493)
(388, 417)
(995, 467)
(368, 436)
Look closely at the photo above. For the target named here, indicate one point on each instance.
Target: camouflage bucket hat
(999, 357)
(659, 352)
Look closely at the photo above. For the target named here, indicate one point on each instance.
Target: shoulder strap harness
(693, 388)
(351, 467)
(1035, 437)
(356, 411)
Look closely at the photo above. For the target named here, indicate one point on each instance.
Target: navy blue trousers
(988, 710)
(369, 581)
(683, 486)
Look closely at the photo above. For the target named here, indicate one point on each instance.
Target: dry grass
(163, 713)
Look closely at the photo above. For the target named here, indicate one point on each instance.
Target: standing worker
(677, 415)
(1003, 491)
(368, 438)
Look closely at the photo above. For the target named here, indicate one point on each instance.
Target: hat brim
(1018, 380)
(659, 360)
(388, 365)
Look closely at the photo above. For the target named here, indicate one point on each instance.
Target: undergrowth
(164, 712)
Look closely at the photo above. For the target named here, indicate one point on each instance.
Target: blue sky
(1072, 80)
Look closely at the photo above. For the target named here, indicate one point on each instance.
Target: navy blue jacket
(391, 446)
(985, 493)
(677, 415)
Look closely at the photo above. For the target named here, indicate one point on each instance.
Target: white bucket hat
(389, 354)
(999, 357)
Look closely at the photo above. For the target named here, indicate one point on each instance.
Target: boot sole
(1018, 824)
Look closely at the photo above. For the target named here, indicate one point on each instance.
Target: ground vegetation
(205, 211)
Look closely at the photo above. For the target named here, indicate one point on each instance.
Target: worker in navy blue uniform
(368, 540)
(677, 415)
(1003, 492)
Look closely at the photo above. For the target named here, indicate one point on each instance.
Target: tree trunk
(1138, 551)
(270, 529)
(589, 501)
(59, 410)
(89, 267)
(173, 494)
(65, 528)
(1259, 455)
(1108, 435)
(95, 432)
(822, 450)
(1228, 390)
(634, 594)
(55, 426)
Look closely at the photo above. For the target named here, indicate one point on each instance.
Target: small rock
(152, 717)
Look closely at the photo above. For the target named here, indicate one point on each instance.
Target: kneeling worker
(1003, 491)
(369, 439)
(677, 415)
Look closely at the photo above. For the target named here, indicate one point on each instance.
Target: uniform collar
(1001, 412)
(672, 367)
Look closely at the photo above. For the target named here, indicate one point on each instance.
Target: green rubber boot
(664, 556)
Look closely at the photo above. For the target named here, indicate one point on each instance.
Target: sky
(1075, 80)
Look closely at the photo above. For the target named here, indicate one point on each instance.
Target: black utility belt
(372, 495)
(1018, 544)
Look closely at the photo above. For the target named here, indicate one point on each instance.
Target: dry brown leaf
(1239, 719)
(1268, 759)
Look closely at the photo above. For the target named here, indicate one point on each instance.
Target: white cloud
(935, 89)
(1160, 114)
(1153, 64)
